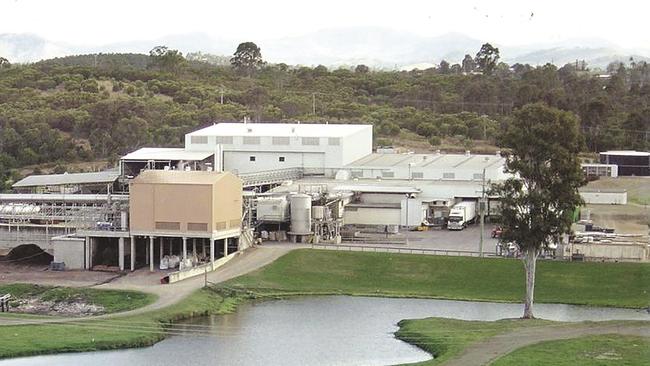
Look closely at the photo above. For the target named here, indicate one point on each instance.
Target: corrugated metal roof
(280, 129)
(154, 153)
(108, 176)
(58, 197)
(431, 161)
(374, 188)
(178, 177)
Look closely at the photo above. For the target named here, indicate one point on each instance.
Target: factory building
(423, 167)
(629, 163)
(255, 147)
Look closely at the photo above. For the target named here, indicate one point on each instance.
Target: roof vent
(467, 152)
(438, 152)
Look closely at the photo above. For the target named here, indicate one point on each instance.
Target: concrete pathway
(145, 281)
(487, 351)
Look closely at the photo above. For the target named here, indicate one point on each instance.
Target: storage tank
(300, 214)
(318, 212)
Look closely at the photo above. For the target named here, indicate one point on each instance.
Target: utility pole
(313, 103)
(221, 92)
(481, 207)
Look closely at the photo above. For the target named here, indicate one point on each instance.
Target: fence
(408, 250)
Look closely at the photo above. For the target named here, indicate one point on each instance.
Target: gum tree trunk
(530, 262)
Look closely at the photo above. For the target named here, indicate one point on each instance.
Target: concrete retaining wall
(70, 251)
(199, 270)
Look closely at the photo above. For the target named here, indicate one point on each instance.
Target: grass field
(604, 350)
(445, 338)
(460, 278)
(113, 301)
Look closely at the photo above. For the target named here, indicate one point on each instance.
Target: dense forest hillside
(90, 107)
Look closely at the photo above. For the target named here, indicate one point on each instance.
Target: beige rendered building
(181, 208)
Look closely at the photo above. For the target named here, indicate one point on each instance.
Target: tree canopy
(487, 58)
(247, 58)
(537, 206)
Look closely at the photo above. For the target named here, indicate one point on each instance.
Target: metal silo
(300, 214)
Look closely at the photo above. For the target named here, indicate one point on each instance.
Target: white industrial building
(438, 167)
(255, 147)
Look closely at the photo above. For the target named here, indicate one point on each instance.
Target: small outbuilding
(604, 196)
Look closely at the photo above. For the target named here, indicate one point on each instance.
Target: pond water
(328, 330)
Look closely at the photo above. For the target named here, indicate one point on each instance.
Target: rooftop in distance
(626, 153)
(107, 176)
(178, 177)
(441, 160)
(279, 129)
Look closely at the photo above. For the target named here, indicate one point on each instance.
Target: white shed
(604, 196)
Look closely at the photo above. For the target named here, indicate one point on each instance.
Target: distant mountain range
(373, 46)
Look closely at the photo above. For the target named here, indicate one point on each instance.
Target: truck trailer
(462, 214)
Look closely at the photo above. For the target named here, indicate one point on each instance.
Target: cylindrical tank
(300, 214)
(318, 212)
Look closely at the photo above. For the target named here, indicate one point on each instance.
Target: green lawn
(90, 335)
(325, 271)
(112, 300)
(445, 338)
(602, 350)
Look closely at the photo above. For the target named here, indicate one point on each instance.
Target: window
(221, 225)
(162, 225)
(334, 141)
(417, 175)
(478, 176)
(312, 141)
(197, 226)
(251, 158)
(281, 159)
(224, 140)
(199, 139)
(388, 174)
(251, 140)
(280, 140)
(448, 175)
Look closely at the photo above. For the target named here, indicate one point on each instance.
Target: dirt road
(484, 352)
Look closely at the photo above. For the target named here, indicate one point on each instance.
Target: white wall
(71, 251)
(371, 216)
(605, 198)
(356, 146)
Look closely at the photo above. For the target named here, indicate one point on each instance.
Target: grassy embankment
(376, 274)
(461, 278)
(112, 301)
(122, 332)
(602, 350)
(445, 338)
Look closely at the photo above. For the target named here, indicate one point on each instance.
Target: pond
(328, 330)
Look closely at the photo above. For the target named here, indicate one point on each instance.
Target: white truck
(462, 214)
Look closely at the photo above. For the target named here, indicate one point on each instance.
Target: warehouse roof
(178, 177)
(280, 129)
(439, 161)
(108, 176)
(626, 153)
(155, 153)
(374, 188)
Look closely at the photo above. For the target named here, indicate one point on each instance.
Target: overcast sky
(503, 22)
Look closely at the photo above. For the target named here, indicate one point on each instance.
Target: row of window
(256, 140)
(414, 175)
(280, 158)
